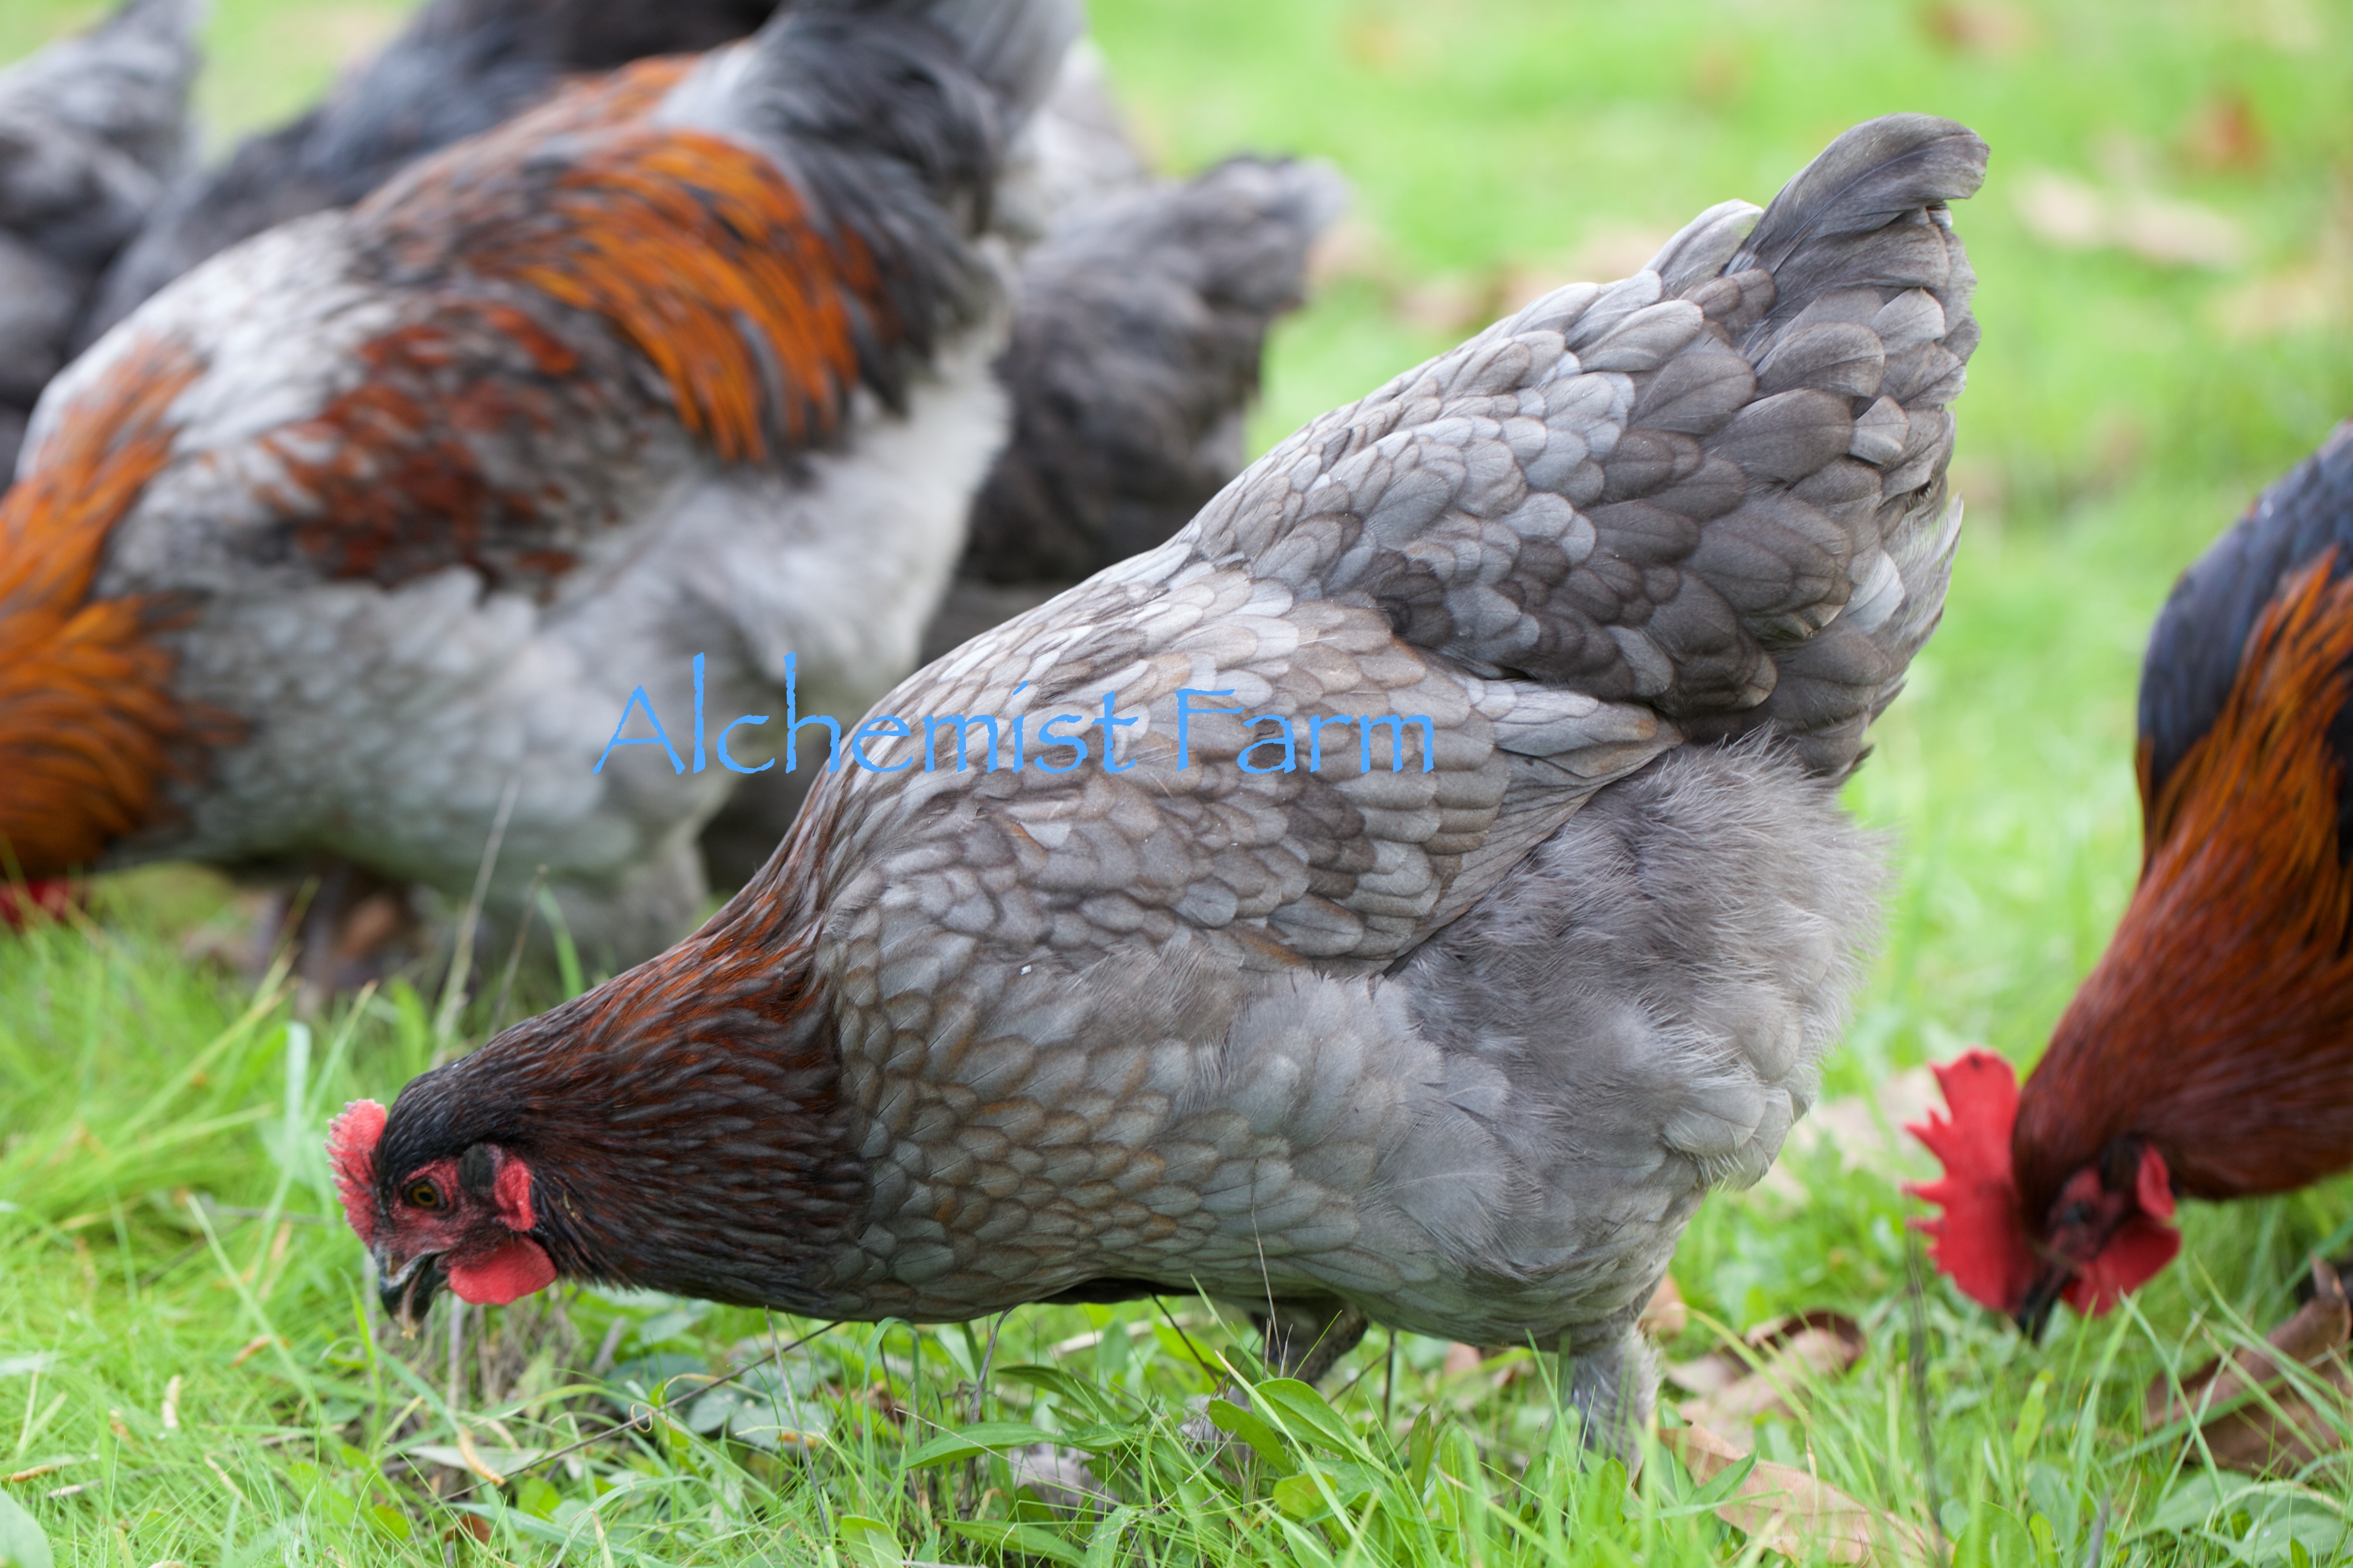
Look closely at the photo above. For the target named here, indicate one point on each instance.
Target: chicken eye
(424, 1195)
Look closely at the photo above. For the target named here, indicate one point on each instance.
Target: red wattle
(517, 1269)
(2140, 1247)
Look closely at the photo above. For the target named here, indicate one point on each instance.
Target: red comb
(1977, 1239)
(351, 1149)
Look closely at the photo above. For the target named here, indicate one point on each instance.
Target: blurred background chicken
(357, 539)
(1140, 325)
(1452, 1030)
(91, 129)
(2210, 1054)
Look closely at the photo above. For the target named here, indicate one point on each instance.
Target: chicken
(1140, 322)
(2210, 1054)
(362, 538)
(1445, 1002)
(90, 128)
(460, 68)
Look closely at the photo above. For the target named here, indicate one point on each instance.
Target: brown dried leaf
(1793, 1513)
(2072, 215)
(2249, 1435)
(1739, 1384)
(2061, 211)
(2226, 133)
(2177, 233)
(1992, 29)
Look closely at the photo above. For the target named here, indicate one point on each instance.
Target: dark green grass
(2120, 413)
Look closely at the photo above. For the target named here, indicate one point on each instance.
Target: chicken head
(464, 1221)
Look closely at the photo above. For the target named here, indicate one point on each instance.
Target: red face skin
(2108, 1231)
(433, 1228)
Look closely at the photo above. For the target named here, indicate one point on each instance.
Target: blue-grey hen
(1462, 893)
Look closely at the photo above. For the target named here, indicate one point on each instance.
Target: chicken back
(1462, 893)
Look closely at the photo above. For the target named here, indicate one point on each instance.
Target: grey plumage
(797, 485)
(90, 127)
(1133, 358)
(1461, 1047)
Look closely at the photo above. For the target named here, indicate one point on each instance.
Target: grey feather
(1139, 325)
(1581, 968)
(1879, 171)
(1456, 1030)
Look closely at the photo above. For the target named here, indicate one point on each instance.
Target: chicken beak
(2034, 1314)
(408, 1289)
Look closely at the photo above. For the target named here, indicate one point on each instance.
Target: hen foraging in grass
(2209, 1055)
(357, 539)
(1567, 636)
(1139, 318)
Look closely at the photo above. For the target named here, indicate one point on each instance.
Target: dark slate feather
(2194, 650)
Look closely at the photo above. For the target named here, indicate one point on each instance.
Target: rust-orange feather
(695, 247)
(87, 722)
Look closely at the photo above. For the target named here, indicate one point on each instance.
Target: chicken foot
(1306, 1339)
(1613, 1389)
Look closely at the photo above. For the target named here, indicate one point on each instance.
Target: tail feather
(1013, 46)
(1711, 493)
(851, 48)
(1872, 175)
(2200, 636)
(90, 127)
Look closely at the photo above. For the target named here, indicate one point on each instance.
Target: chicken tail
(1870, 305)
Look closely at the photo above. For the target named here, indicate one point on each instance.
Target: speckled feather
(1459, 1046)
(1138, 326)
